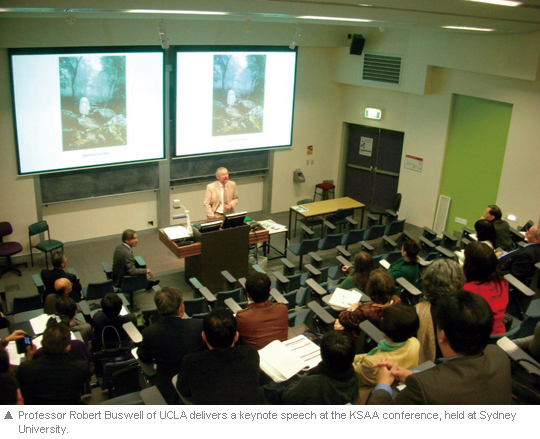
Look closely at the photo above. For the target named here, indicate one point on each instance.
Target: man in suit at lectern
(221, 196)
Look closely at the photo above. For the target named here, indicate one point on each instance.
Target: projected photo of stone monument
(238, 94)
(93, 101)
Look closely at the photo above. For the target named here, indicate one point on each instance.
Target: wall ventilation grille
(380, 67)
(442, 214)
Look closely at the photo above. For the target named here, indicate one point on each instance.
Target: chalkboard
(98, 182)
(203, 168)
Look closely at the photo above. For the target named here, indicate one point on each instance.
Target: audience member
(521, 262)
(263, 321)
(225, 374)
(440, 278)
(49, 277)
(484, 278)
(109, 315)
(502, 229)
(168, 341)
(55, 378)
(531, 343)
(62, 287)
(472, 373)
(380, 288)
(334, 380)
(484, 232)
(358, 277)
(10, 394)
(66, 309)
(399, 325)
(407, 265)
(124, 263)
(4, 356)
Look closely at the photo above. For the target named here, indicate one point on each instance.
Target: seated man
(66, 310)
(62, 287)
(124, 263)
(493, 213)
(225, 374)
(49, 277)
(472, 371)
(55, 378)
(263, 321)
(109, 315)
(169, 340)
(520, 262)
(334, 380)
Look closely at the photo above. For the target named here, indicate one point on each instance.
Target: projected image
(238, 94)
(93, 101)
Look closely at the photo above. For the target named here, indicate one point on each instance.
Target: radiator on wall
(442, 214)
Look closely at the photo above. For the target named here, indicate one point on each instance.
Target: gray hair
(442, 277)
(219, 169)
(537, 231)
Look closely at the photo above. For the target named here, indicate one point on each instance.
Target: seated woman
(380, 288)
(110, 315)
(484, 232)
(399, 325)
(407, 265)
(441, 277)
(484, 278)
(358, 276)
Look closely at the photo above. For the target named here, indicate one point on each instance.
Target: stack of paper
(39, 323)
(176, 232)
(300, 208)
(282, 360)
(344, 298)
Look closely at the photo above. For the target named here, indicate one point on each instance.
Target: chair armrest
(343, 251)
(422, 261)
(281, 279)
(352, 222)
(278, 297)
(133, 333)
(107, 269)
(307, 230)
(313, 272)
(372, 331)
(152, 396)
(242, 282)
(331, 227)
(372, 217)
(258, 268)
(288, 266)
(140, 261)
(232, 305)
(389, 241)
(85, 309)
(38, 282)
(519, 286)
(407, 286)
(368, 247)
(314, 285)
(321, 313)
(315, 259)
(229, 278)
(449, 237)
(445, 252)
(429, 234)
(465, 242)
(195, 283)
(343, 261)
(209, 297)
(125, 301)
(427, 242)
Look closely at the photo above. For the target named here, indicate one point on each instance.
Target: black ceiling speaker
(357, 44)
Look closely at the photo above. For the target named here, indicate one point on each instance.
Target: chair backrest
(343, 213)
(330, 241)
(133, 283)
(397, 202)
(195, 306)
(98, 290)
(305, 201)
(295, 282)
(394, 228)
(223, 295)
(39, 227)
(308, 245)
(353, 236)
(374, 232)
(29, 303)
(393, 256)
(299, 317)
(5, 229)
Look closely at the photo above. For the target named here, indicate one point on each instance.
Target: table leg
(290, 222)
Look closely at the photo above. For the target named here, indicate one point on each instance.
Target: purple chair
(8, 249)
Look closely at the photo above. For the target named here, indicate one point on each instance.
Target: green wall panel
(474, 157)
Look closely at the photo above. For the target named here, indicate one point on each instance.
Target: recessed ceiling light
(499, 2)
(163, 11)
(477, 29)
(314, 17)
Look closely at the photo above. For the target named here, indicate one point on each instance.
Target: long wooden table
(326, 207)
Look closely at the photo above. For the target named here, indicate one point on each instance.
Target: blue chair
(352, 237)
(298, 318)
(28, 303)
(309, 222)
(131, 284)
(330, 242)
(98, 290)
(196, 306)
(235, 294)
(48, 245)
(374, 232)
(305, 247)
(394, 228)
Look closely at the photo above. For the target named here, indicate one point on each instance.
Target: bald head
(63, 286)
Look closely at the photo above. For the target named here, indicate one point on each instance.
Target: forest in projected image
(93, 101)
(238, 98)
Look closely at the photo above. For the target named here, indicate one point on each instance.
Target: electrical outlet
(461, 220)
(150, 223)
